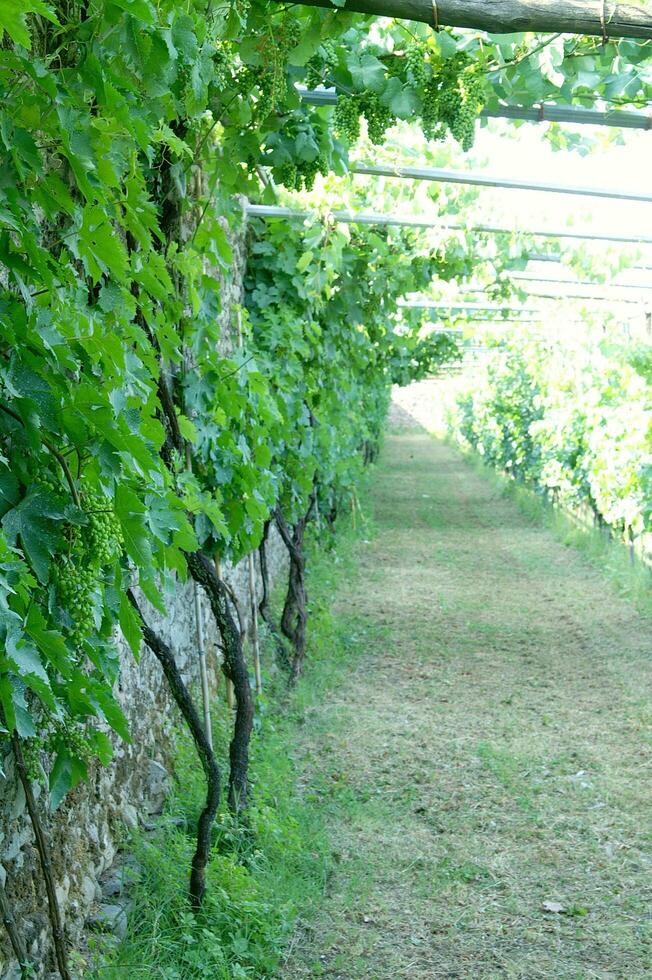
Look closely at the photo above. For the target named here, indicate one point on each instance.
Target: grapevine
(452, 100)
(321, 64)
(379, 118)
(418, 69)
(346, 118)
(108, 283)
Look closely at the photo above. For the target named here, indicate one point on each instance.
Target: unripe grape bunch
(89, 549)
(104, 531)
(452, 100)
(379, 118)
(321, 64)
(73, 733)
(346, 118)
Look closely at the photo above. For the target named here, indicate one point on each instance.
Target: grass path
(486, 770)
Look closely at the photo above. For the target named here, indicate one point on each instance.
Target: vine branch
(43, 849)
(184, 702)
(203, 571)
(60, 458)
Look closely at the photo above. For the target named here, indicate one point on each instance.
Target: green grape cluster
(104, 532)
(222, 62)
(241, 8)
(416, 63)
(73, 734)
(329, 50)
(379, 118)
(88, 551)
(32, 748)
(346, 118)
(75, 582)
(48, 481)
(287, 175)
(452, 100)
(271, 76)
(296, 176)
(310, 168)
(470, 99)
(321, 64)
(288, 34)
(272, 83)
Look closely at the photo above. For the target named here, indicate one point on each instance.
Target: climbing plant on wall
(133, 452)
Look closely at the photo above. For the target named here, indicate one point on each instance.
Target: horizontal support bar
(617, 118)
(600, 18)
(475, 178)
(614, 301)
(373, 218)
(468, 307)
(524, 277)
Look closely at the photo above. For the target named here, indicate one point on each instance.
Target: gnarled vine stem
(264, 606)
(43, 848)
(181, 695)
(294, 616)
(203, 571)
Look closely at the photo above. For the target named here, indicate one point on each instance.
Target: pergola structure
(553, 113)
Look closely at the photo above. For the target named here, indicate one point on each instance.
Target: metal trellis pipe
(427, 304)
(374, 218)
(251, 568)
(473, 177)
(618, 118)
(527, 277)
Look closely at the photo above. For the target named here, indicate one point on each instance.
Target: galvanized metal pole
(252, 574)
(441, 175)
(577, 115)
(230, 697)
(427, 304)
(406, 221)
(532, 277)
(203, 671)
(254, 623)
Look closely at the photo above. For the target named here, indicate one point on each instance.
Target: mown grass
(631, 576)
(486, 760)
(267, 875)
(458, 786)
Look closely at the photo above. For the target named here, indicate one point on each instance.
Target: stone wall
(86, 829)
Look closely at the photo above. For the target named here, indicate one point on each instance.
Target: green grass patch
(631, 576)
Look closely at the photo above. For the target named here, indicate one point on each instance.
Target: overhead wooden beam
(601, 18)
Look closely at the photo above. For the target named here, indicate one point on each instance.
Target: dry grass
(491, 752)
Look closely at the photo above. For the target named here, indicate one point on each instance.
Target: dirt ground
(486, 770)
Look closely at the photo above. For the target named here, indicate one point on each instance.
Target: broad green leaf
(35, 525)
(61, 777)
(130, 625)
(13, 18)
(131, 513)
